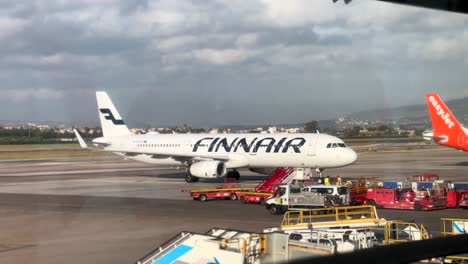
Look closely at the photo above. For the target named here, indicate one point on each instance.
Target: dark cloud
(223, 62)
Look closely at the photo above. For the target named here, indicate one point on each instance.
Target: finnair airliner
(213, 155)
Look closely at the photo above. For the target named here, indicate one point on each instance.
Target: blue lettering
(278, 146)
(198, 144)
(225, 145)
(269, 146)
(254, 145)
(295, 146)
(210, 149)
(244, 145)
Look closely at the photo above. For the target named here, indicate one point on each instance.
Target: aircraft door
(311, 142)
(188, 147)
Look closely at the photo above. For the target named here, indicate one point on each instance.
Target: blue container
(460, 186)
(391, 184)
(424, 185)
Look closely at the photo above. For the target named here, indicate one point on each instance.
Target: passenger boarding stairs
(215, 246)
(280, 176)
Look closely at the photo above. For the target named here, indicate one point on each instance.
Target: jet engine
(208, 169)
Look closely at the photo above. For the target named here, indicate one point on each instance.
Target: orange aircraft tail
(447, 130)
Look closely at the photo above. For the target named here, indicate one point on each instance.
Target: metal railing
(397, 232)
(253, 245)
(362, 184)
(338, 214)
(454, 226)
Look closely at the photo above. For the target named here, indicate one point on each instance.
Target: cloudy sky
(218, 62)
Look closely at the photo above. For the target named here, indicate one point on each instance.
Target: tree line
(40, 136)
(356, 131)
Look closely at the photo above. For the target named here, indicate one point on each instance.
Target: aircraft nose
(351, 157)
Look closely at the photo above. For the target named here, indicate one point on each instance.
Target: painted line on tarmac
(49, 173)
(11, 248)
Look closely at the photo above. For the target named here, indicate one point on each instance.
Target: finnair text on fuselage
(214, 144)
(441, 112)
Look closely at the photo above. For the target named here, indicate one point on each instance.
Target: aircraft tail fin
(111, 122)
(446, 128)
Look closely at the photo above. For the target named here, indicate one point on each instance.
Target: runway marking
(48, 173)
(5, 248)
(129, 187)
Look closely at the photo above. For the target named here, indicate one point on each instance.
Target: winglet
(80, 139)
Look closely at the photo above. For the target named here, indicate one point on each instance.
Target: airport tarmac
(108, 210)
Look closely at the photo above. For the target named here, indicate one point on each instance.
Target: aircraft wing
(429, 135)
(458, 6)
(176, 156)
(80, 139)
(447, 5)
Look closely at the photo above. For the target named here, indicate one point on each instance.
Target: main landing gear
(189, 177)
(319, 173)
(234, 174)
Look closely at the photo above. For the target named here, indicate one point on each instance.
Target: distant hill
(414, 113)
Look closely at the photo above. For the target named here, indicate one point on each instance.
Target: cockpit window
(336, 145)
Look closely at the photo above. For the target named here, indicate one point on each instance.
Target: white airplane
(212, 155)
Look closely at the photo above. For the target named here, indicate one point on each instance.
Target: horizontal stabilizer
(80, 139)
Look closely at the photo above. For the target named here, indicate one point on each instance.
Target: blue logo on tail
(109, 116)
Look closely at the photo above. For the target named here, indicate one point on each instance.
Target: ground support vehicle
(431, 185)
(302, 234)
(293, 197)
(403, 199)
(241, 247)
(254, 197)
(457, 196)
(457, 199)
(358, 190)
(216, 193)
(257, 194)
(302, 221)
(426, 184)
(425, 177)
(418, 182)
(463, 202)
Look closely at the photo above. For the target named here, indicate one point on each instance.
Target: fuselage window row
(159, 145)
